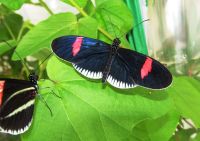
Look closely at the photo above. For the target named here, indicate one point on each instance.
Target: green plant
(85, 111)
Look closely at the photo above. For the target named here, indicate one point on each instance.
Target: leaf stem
(20, 33)
(9, 30)
(46, 7)
(86, 15)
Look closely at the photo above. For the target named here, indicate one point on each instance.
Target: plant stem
(46, 7)
(86, 15)
(9, 30)
(20, 33)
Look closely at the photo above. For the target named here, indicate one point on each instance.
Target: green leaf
(185, 92)
(10, 26)
(114, 16)
(87, 111)
(160, 129)
(43, 34)
(4, 46)
(13, 4)
(80, 3)
(99, 2)
(89, 8)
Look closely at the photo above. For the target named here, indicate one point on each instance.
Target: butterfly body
(112, 55)
(17, 98)
(120, 67)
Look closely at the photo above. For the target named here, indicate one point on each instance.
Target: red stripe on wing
(77, 45)
(146, 68)
(1, 91)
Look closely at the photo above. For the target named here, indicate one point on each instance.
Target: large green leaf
(185, 92)
(42, 35)
(13, 4)
(89, 112)
(160, 129)
(114, 16)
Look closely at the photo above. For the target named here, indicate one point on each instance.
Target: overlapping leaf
(13, 4)
(87, 111)
(58, 25)
(185, 92)
(114, 16)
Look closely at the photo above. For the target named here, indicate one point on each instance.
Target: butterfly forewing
(144, 70)
(76, 48)
(88, 56)
(17, 99)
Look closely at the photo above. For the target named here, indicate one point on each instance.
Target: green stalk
(9, 30)
(86, 15)
(46, 7)
(137, 36)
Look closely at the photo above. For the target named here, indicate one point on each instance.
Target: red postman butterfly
(17, 98)
(122, 68)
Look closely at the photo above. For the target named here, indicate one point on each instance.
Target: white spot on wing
(16, 132)
(88, 73)
(119, 84)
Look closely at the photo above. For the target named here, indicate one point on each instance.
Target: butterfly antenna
(43, 61)
(22, 61)
(45, 103)
(141, 22)
(136, 26)
(110, 23)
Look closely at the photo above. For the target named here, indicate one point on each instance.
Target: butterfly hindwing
(17, 99)
(119, 75)
(92, 66)
(144, 70)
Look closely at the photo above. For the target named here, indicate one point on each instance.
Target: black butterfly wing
(88, 56)
(131, 68)
(119, 75)
(17, 99)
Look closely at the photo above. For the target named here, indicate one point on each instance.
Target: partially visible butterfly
(17, 98)
(122, 68)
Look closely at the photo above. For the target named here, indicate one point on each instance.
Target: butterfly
(120, 67)
(17, 98)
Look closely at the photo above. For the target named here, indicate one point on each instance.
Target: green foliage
(116, 18)
(10, 24)
(13, 4)
(157, 129)
(186, 96)
(87, 110)
(4, 47)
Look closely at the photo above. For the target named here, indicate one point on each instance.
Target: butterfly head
(33, 78)
(116, 42)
